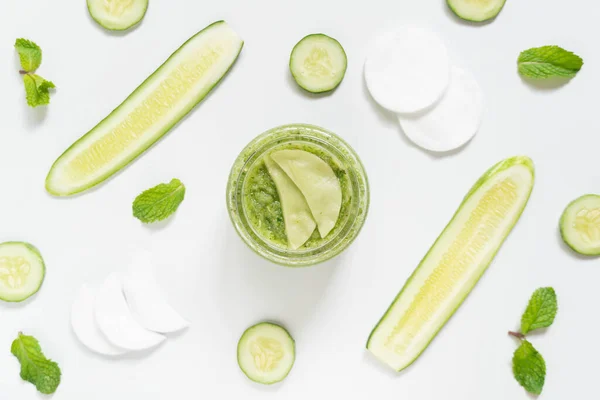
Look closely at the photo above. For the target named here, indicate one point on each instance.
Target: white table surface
(218, 283)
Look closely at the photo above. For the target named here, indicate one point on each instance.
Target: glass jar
(245, 201)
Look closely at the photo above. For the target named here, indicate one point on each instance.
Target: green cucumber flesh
(266, 353)
(318, 63)
(476, 10)
(148, 113)
(454, 264)
(22, 271)
(580, 225)
(117, 15)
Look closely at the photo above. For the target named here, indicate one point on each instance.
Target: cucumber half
(318, 63)
(148, 113)
(476, 10)
(266, 353)
(117, 15)
(580, 225)
(454, 263)
(22, 271)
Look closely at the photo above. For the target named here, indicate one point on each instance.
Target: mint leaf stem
(518, 335)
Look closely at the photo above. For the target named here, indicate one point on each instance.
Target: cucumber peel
(159, 103)
(476, 10)
(454, 264)
(266, 353)
(299, 222)
(22, 271)
(117, 15)
(317, 182)
(580, 225)
(318, 63)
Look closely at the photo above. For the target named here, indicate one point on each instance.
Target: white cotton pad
(116, 321)
(146, 299)
(85, 327)
(453, 121)
(408, 69)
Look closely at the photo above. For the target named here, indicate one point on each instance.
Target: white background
(219, 284)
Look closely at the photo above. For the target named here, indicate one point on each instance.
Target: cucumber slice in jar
(159, 103)
(318, 63)
(117, 15)
(580, 225)
(22, 271)
(476, 10)
(266, 353)
(454, 264)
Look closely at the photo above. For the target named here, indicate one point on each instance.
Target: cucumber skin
(449, 2)
(502, 165)
(117, 29)
(142, 151)
(37, 253)
(239, 350)
(564, 235)
(343, 75)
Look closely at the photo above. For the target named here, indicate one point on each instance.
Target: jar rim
(327, 141)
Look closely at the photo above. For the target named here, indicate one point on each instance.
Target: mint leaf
(30, 54)
(160, 202)
(541, 310)
(35, 367)
(548, 61)
(529, 368)
(37, 90)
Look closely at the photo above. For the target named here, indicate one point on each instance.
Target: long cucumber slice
(22, 271)
(117, 15)
(580, 225)
(476, 10)
(266, 353)
(148, 113)
(454, 263)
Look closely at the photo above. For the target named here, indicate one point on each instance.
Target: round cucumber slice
(22, 271)
(580, 225)
(476, 10)
(117, 15)
(266, 353)
(318, 63)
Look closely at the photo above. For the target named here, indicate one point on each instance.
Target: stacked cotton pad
(439, 106)
(126, 313)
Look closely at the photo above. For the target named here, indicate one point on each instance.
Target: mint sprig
(549, 61)
(159, 202)
(529, 367)
(37, 89)
(35, 367)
